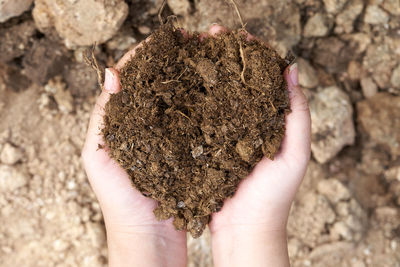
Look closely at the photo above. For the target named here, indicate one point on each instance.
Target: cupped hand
(253, 221)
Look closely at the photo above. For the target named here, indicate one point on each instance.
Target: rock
(11, 179)
(179, 7)
(332, 123)
(334, 6)
(13, 8)
(395, 79)
(368, 86)
(345, 19)
(331, 254)
(80, 22)
(354, 70)
(44, 60)
(393, 174)
(328, 52)
(316, 26)
(379, 117)
(145, 30)
(307, 75)
(334, 190)
(375, 15)
(10, 154)
(309, 217)
(341, 230)
(379, 61)
(392, 6)
(63, 97)
(16, 40)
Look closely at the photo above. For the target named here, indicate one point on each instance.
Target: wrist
(251, 246)
(144, 246)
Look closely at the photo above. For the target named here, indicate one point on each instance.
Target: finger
(216, 29)
(111, 81)
(297, 140)
(91, 152)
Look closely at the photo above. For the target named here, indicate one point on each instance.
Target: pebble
(10, 154)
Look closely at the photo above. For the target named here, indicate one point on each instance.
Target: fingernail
(294, 74)
(109, 80)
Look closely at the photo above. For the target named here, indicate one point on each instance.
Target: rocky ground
(347, 212)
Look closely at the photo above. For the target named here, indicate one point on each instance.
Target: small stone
(179, 7)
(395, 79)
(197, 151)
(341, 230)
(354, 70)
(332, 123)
(11, 179)
(334, 6)
(10, 154)
(379, 117)
(368, 86)
(345, 19)
(60, 245)
(62, 96)
(316, 26)
(80, 22)
(13, 8)
(392, 6)
(375, 15)
(393, 174)
(143, 29)
(307, 75)
(334, 190)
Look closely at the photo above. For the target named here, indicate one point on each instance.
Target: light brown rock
(392, 6)
(334, 190)
(179, 7)
(309, 217)
(307, 75)
(11, 179)
(368, 86)
(379, 117)
(81, 22)
(10, 154)
(316, 26)
(13, 8)
(332, 123)
(334, 6)
(395, 79)
(354, 70)
(375, 15)
(345, 19)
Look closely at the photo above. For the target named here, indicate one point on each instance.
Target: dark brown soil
(189, 124)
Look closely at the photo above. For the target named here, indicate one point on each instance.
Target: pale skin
(250, 229)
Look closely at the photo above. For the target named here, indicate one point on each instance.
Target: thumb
(297, 140)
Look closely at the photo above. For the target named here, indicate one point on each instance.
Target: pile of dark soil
(193, 118)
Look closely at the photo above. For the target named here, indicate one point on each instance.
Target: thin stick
(160, 12)
(238, 13)
(244, 62)
(90, 60)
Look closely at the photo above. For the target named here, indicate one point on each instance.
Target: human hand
(134, 236)
(250, 229)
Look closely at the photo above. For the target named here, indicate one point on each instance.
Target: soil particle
(194, 126)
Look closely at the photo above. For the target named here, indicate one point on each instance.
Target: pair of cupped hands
(250, 229)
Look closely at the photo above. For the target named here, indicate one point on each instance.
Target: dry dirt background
(347, 212)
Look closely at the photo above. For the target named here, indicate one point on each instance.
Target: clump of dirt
(194, 117)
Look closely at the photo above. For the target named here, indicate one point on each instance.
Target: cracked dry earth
(347, 211)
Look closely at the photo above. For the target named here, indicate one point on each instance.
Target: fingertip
(216, 29)
(112, 83)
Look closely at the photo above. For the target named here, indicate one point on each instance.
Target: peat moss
(193, 118)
